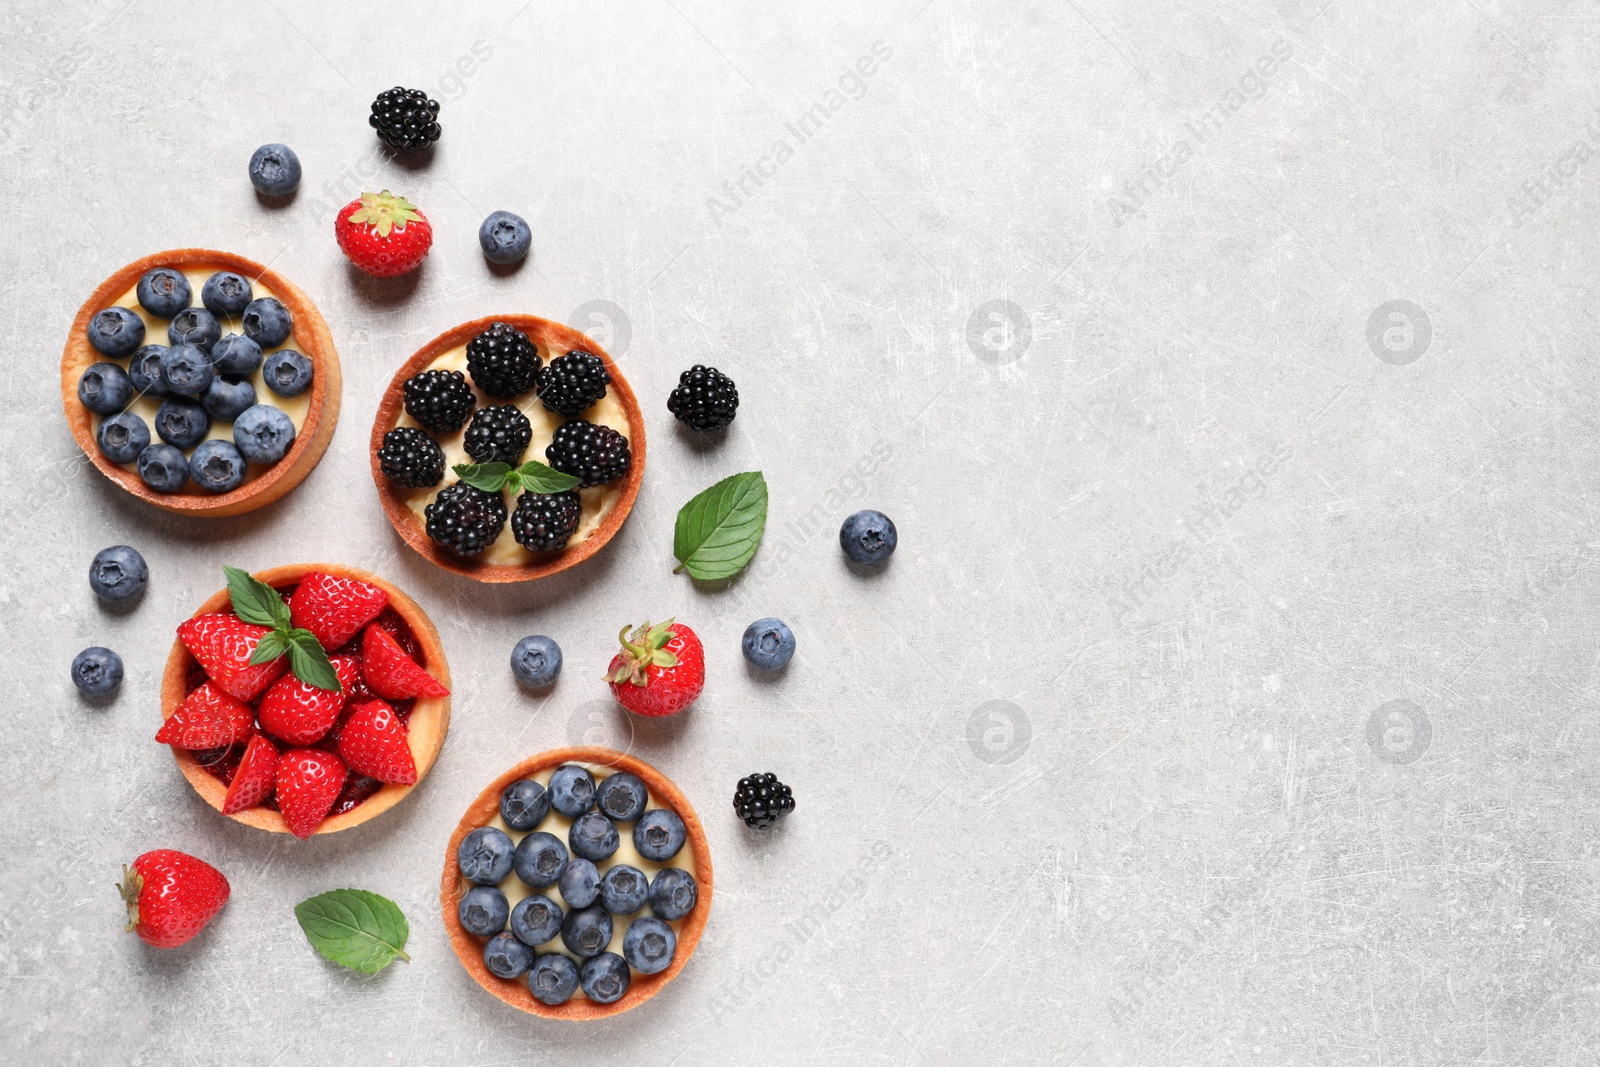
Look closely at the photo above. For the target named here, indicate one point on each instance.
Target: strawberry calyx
(642, 649)
(385, 212)
(130, 887)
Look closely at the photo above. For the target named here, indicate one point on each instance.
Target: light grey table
(1228, 371)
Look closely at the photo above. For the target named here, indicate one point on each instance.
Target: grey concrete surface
(1227, 368)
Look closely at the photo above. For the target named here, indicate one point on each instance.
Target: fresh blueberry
(571, 790)
(97, 671)
(226, 399)
(649, 945)
(624, 890)
(536, 919)
(118, 573)
(659, 834)
(621, 796)
(524, 804)
(505, 237)
(287, 372)
(195, 326)
(163, 292)
(539, 859)
(506, 957)
(217, 466)
(536, 661)
(868, 537)
(275, 170)
(105, 389)
(122, 437)
(267, 322)
(263, 433)
(768, 644)
(605, 978)
(163, 468)
(483, 910)
(144, 370)
(586, 932)
(226, 294)
(116, 332)
(553, 979)
(182, 422)
(593, 837)
(236, 354)
(673, 894)
(187, 369)
(580, 883)
(484, 856)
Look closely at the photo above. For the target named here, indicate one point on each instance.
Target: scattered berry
(116, 332)
(543, 522)
(539, 859)
(163, 292)
(502, 361)
(573, 382)
(275, 170)
(604, 978)
(105, 388)
(483, 910)
(97, 671)
(536, 660)
(187, 369)
(287, 372)
(267, 322)
(659, 834)
(334, 608)
(226, 399)
(122, 437)
(392, 673)
(253, 781)
(410, 458)
(440, 400)
(580, 883)
(373, 742)
(118, 573)
(761, 800)
(705, 398)
(465, 520)
(208, 718)
(499, 433)
(263, 433)
(163, 468)
(621, 796)
(868, 537)
(593, 837)
(194, 326)
(660, 670)
(591, 453)
(536, 920)
(649, 945)
(506, 957)
(235, 354)
(553, 979)
(171, 896)
(308, 783)
(226, 294)
(768, 644)
(571, 790)
(624, 890)
(673, 894)
(181, 422)
(144, 370)
(587, 931)
(217, 466)
(383, 234)
(524, 804)
(405, 119)
(504, 237)
(222, 644)
(485, 856)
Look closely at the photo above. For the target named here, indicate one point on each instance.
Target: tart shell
(311, 336)
(426, 727)
(515, 991)
(545, 335)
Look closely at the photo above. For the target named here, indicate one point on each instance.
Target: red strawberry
(391, 673)
(660, 670)
(373, 742)
(335, 609)
(171, 896)
(223, 645)
(383, 234)
(297, 712)
(207, 718)
(253, 781)
(308, 782)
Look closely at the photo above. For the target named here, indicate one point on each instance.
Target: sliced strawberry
(373, 742)
(208, 718)
(297, 712)
(335, 609)
(308, 781)
(223, 645)
(393, 674)
(254, 778)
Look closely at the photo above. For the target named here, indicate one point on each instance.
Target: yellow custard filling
(155, 333)
(597, 500)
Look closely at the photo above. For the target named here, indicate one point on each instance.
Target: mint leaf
(269, 648)
(537, 478)
(532, 476)
(257, 603)
(720, 529)
(490, 477)
(355, 929)
(309, 661)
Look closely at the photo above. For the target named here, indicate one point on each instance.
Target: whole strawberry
(660, 670)
(171, 896)
(383, 234)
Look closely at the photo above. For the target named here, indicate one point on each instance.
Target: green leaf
(719, 530)
(355, 929)
(257, 603)
(532, 476)
(269, 648)
(490, 477)
(537, 478)
(309, 661)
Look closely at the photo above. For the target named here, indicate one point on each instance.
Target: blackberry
(593, 454)
(499, 434)
(761, 800)
(545, 521)
(465, 520)
(405, 119)
(440, 400)
(705, 398)
(411, 459)
(502, 361)
(573, 382)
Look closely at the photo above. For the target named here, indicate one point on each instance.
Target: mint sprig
(355, 928)
(258, 604)
(720, 529)
(532, 476)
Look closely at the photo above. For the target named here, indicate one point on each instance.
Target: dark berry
(502, 361)
(275, 170)
(118, 573)
(504, 237)
(553, 979)
(571, 790)
(539, 860)
(586, 931)
(410, 458)
(524, 804)
(593, 454)
(405, 119)
(485, 856)
(97, 671)
(105, 388)
(649, 945)
(506, 957)
(605, 978)
(545, 521)
(440, 400)
(673, 894)
(116, 332)
(163, 292)
(580, 883)
(226, 294)
(705, 398)
(483, 910)
(868, 537)
(464, 519)
(536, 659)
(621, 796)
(593, 837)
(536, 919)
(498, 433)
(573, 382)
(194, 326)
(624, 889)
(761, 800)
(659, 834)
